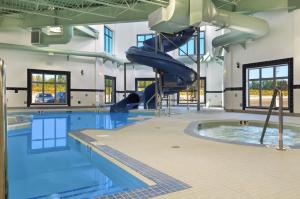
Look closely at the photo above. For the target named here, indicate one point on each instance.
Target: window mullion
(260, 88)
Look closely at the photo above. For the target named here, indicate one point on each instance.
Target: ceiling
(38, 13)
(35, 12)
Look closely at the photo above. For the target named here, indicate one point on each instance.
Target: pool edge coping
(164, 183)
(190, 130)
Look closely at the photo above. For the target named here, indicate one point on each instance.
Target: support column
(156, 79)
(161, 48)
(125, 79)
(198, 68)
(3, 130)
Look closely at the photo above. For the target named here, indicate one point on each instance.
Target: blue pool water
(44, 162)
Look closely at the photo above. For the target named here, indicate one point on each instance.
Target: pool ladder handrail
(147, 103)
(277, 92)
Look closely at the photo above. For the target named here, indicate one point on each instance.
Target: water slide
(175, 75)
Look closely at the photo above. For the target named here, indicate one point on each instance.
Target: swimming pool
(250, 133)
(45, 162)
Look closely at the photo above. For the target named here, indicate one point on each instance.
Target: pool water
(44, 162)
(233, 132)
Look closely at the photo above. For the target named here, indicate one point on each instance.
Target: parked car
(61, 97)
(44, 98)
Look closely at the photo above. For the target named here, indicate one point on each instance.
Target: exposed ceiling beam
(37, 3)
(54, 15)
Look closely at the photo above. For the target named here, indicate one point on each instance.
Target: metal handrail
(3, 129)
(277, 92)
(147, 103)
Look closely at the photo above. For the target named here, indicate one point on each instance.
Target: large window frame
(140, 38)
(30, 72)
(113, 90)
(190, 101)
(185, 48)
(108, 40)
(267, 65)
(145, 80)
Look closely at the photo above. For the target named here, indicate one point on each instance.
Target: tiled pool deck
(164, 184)
(212, 170)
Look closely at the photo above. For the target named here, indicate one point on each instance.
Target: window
(190, 94)
(48, 87)
(108, 40)
(142, 83)
(110, 89)
(190, 47)
(143, 37)
(50, 133)
(260, 80)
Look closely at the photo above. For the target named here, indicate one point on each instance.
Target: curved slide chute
(176, 76)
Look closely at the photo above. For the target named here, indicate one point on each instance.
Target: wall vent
(35, 37)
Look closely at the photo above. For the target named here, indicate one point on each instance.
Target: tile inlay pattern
(164, 183)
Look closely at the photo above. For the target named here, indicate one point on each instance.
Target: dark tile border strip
(16, 88)
(165, 184)
(233, 89)
(214, 91)
(85, 90)
(72, 90)
(297, 86)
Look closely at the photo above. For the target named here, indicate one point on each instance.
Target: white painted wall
(282, 42)
(125, 36)
(18, 62)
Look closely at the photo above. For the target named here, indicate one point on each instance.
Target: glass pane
(148, 83)
(267, 72)
(191, 47)
(49, 78)
(190, 94)
(266, 92)
(184, 49)
(111, 45)
(61, 93)
(37, 93)
(149, 36)
(282, 71)
(254, 87)
(141, 38)
(202, 46)
(253, 73)
(283, 84)
(37, 77)
(106, 44)
(49, 93)
(140, 44)
(109, 82)
(202, 35)
(61, 78)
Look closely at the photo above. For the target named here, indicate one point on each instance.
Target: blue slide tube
(176, 76)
